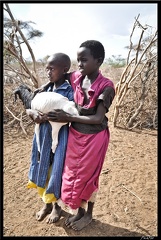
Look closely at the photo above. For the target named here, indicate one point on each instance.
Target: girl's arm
(43, 88)
(61, 116)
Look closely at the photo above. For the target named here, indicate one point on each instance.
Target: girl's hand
(58, 116)
(36, 116)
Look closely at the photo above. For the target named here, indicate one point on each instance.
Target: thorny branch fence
(135, 104)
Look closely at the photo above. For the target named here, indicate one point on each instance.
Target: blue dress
(45, 160)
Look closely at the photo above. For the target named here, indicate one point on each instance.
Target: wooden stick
(20, 120)
(131, 192)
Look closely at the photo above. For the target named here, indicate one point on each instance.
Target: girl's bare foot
(47, 208)
(55, 214)
(70, 220)
(81, 223)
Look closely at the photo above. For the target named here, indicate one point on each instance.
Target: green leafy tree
(116, 61)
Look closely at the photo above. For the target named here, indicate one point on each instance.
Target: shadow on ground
(97, 228)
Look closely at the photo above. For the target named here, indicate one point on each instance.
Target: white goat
(46, 102)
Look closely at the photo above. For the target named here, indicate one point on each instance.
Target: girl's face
(87, 64)
(55, 71)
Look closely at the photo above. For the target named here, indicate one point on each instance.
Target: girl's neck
(92, 77)
(59, 83)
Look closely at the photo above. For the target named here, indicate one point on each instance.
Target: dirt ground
(127, 201)
(126, 205)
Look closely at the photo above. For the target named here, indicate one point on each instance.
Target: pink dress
(87, 143)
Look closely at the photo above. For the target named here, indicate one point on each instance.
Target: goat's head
(19, 91)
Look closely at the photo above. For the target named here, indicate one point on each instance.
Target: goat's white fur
(47, 102)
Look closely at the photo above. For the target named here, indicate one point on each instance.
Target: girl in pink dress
(88, 133)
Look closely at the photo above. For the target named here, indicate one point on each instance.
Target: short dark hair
(61, 58)
(96, 48)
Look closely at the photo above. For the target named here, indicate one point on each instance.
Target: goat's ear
(15, 97)
(26, 87)
(15, 92)
(29, 89)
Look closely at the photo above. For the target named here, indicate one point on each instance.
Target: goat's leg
(37, 135)
(55, 131)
